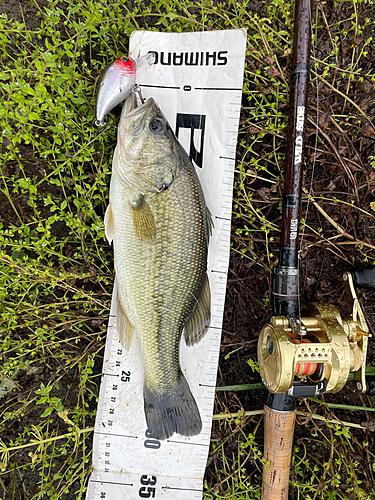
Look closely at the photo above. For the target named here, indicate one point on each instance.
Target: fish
(117, 82)
(160, 227)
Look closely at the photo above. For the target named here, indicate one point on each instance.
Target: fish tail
(171, 410)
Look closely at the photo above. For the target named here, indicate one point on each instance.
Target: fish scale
(169, 268)
(160, 276)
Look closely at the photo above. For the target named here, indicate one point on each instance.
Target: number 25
(125, 376)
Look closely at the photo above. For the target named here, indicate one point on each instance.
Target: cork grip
(278, 440)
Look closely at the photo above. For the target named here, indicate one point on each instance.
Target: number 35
(148, 492)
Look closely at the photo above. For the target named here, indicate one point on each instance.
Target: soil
(249, 284)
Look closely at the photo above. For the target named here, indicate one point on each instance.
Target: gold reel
(333, 347)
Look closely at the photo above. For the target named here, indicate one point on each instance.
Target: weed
(56, 272)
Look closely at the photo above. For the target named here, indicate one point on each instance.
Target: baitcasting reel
(330, 347)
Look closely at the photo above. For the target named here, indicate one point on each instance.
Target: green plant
(56, 272)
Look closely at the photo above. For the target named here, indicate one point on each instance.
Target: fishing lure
(116, 84)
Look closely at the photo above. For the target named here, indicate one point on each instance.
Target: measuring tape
(197, 82)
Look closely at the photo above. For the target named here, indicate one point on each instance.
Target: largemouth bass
(160, 227)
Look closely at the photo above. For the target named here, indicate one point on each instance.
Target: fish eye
(124, 59)
(156, 126)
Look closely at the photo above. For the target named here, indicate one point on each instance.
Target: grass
(56, 271)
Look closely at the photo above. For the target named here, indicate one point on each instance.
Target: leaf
(7, 385)
(24, 183)
(28, 90)
(47, 412)
(253, 365)
(324, 119)
(253, 130)
(370, 426)
(172, 15)
(268, 59)
(372, 205)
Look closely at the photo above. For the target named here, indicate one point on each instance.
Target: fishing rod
(280, 408)
(322, 346)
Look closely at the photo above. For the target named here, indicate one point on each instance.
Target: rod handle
(278, 440)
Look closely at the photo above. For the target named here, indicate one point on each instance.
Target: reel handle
(364, 277)
(279, 420)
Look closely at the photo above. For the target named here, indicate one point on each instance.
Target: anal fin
(198, 323)
(125, 330)
(209, 225)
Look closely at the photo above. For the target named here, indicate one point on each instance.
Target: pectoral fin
(125, 330)
(198, 323)
(109, 224)
(143, 220)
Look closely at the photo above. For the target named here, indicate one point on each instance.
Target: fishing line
(201, 103)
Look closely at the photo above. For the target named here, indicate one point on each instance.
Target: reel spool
(322, 359)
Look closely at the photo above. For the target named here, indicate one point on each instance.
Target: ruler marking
(222, 218)
(110, 482)
(109, 434)
(216, 88)
(181, 489)
(159, 86)
(186, 442)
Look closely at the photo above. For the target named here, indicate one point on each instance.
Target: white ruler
(197, 82)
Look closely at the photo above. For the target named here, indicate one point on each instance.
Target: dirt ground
(249, 284)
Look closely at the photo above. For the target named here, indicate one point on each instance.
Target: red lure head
(115, 85)
(126, 64)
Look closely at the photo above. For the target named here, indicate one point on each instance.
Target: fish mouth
(135, 120)
(141, 109)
